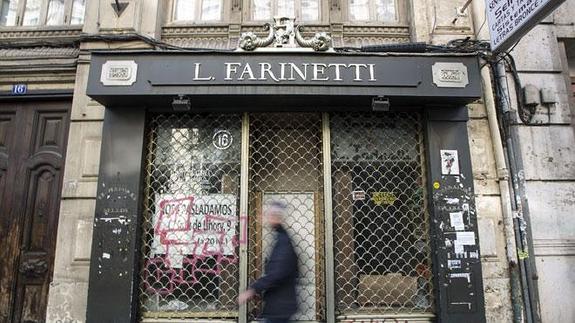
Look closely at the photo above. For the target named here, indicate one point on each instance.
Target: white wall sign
(509, 20)
(450, 75)
(119, 73)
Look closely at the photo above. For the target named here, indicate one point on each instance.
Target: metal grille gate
(191, 238)
(286, 165)
(190, 264)
(382, 256)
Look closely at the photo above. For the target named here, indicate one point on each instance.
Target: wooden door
(33, 137)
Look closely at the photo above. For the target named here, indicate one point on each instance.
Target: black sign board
(145, 77)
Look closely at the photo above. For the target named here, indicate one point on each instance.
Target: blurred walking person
(278, 284)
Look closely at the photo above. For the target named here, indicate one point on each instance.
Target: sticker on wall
(222, 139)
(449, 162)
(358, 195)
(383, 198)
(457, 247)
(454, 264)
(466, 238)
(456, 220)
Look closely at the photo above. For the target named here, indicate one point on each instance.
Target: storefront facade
(369, 152)
(87, 164)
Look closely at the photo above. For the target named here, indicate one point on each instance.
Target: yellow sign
(436, 185)
(383, 198)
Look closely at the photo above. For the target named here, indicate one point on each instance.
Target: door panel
(7, 236)
(36, 140)
(300, 223)
(285, 164)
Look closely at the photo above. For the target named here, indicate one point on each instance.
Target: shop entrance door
(286, 165)
(33, 139)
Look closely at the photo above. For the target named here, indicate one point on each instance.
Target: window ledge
(26, 33)
(188, 24)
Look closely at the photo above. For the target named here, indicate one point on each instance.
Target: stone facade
(547, 149)
(546, 59)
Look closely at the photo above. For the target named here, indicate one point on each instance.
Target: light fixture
(380, 103)
(181, 103)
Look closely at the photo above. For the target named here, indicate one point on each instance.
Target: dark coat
(278, 285)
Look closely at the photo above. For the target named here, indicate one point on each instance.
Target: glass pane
(32, 13)
(385, 10)
(78, 8)
(212, 10)
(286, 8)
(309, 10)
(262, 9)
(8, 12)
(185, 10)
(55, 12)
(359, 9)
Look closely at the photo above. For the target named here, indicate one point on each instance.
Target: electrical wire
(465, 45)
(75, 42)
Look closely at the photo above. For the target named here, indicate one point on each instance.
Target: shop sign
(509, 20)
(116, 80)
(383, 198)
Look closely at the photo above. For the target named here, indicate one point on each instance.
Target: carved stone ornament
(284, 34)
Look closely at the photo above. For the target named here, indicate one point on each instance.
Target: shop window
(193, 229)
(191, 213)
(42, 12)
(302, 10)
(197, 10)
(382, 256)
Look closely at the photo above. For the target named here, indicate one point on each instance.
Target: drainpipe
(527, 269)
(505, 197)
(482, 32)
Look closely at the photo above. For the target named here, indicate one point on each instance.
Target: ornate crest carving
(284, 34)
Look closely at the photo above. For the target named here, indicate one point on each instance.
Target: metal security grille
(190, 265)
(285, 164)
(382, 254)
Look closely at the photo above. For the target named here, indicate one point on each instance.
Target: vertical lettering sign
(509, 20)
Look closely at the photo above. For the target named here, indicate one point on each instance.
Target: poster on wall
(200, 225)
(449, 162)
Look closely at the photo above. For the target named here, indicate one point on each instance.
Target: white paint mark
(461, 275)
(106, 255)
(462, 303)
